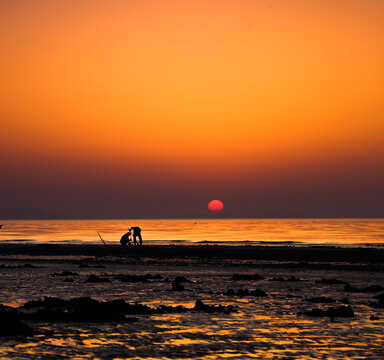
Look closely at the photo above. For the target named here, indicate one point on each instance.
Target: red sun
(215, 205)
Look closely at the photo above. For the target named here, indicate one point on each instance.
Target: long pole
(102, 239)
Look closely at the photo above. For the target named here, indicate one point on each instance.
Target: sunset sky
(152, 108)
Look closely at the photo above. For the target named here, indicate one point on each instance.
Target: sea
(341, 232)
(273, 302)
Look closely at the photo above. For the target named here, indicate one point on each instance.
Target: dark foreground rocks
(86, 309)
(341, 311)
(10, 324)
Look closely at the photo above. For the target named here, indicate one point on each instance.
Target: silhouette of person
(136, 233)
(125, 239)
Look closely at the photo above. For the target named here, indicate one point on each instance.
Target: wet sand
(310, 254)
(286, 301)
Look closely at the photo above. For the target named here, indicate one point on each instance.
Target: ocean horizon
(237, 231)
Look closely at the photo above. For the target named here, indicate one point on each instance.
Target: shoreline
(281, 253)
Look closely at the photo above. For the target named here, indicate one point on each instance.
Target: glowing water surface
(192, 231)
(266, 327)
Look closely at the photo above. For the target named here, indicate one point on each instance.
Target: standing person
(136, 233)
(125, 239)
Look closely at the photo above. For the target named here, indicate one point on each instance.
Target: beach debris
(371, 288)
(330, 281)
(96, 279)
(341, 311)
(11, 325)
(238, 277)
(321, 299)
(292, 278)
(245, 292)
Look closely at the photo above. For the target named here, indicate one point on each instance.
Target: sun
(215, 205)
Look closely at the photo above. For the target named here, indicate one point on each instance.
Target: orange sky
(192, 92)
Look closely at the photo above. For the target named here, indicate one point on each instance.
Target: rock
(131, 278)
(83, 265)
(137, 278)
(47, 302)
(230, 292)
(66, 273)
(372, 288)
(153, 277)
(200, 306)
(177, 287)
(245, 292)
(378, 305)
(341, 311)
(181, 279)
(292, 278)
(379, 296)
(321, 299)
(86, 309)
(95, 279)
(330, 281)
(25, 266)
(238, 277)
(29, 266)
(10, 324)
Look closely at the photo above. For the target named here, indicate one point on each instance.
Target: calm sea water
(191, 231)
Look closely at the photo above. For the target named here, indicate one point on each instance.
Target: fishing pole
(102, 239)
